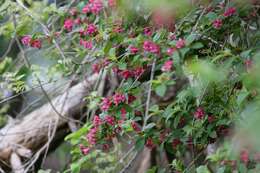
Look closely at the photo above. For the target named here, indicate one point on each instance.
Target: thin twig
(149, 95)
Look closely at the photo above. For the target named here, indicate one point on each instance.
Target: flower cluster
(29, 41)
(217, 24)
(93, 6)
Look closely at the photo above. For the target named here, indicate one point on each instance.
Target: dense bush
(187, 78)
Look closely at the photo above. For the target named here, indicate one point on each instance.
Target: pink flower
(118, 98)
(249, 64)
(131, 98)
(86, 44)
(180, 43)
(118, 29)
(96, 68)
(68, 24)
(211, 119)
(133, 49)
(86, 9)
(26, 40)
(123, 113)
(151, 47)
(36, 43)
(172, 37)
(97, 6)
(77, 21)
(91, 136)
(105, 147)
(170, 51)
(176, 143)
(106, 104)
(138, 71)
(149, 143)
(110, 120)
(94, 6)
(135, 126)
(91, 29)
(230, 11)
(73, 11)
(217, 23)
(116, 70)
(105, 62)
(112, 3)
(167, 66)
(199, 114)
(148, 31)
(97, 121)
(84, 150)
(163, 135)
(244, 156)
(126, 74)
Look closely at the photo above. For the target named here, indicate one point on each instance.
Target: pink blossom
(110, 120)
(217, 23)
(172, 37)
(180, 43)
(199, 114)
(118, 29)
(112, 3)
(96, 68)
(123, 113)
(230, 11)
(126, 74)
(77, 21)
(249, 64)
(150, 46)
(93, 6)
(26, 40)
(149, 143)
(68, 24)
(86, 44)
(244, 156)
(91, 29)
(167, 66)
(36, 43)
(118, 98)
(84, 150)
(148, 31)
(106, 104)
(105, 147)
(86, 8)
(135, 126)
(131, 98)
(73, 11)
(138, 71)
(133, 49)
(176, 143)
(211, 118)
(97, 121)
(91, 136)
(105, 62)
(170, 51)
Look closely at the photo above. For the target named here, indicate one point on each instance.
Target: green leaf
(139, 144)
(212, 16)
(202, 169)
(190, 39)
(75, 167)
(197, 45)
(160, 90)
(149, 126)
(242, 96)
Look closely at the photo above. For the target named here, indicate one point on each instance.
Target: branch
(31, 132)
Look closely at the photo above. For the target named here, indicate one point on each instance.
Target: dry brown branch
(31, 133)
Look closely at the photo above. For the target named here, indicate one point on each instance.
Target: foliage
(214, 49)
